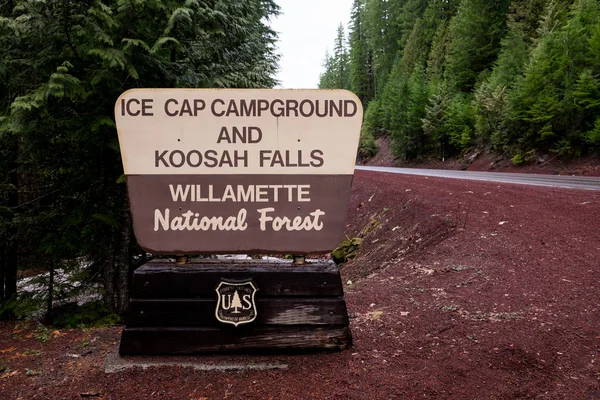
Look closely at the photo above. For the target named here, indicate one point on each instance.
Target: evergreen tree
(491, 97)
(508, 75)
(556, 103)
(63, 66)
(337, 67)
(361, 60)
(236, 302)
(341, 60)
(412, 10)
(474, 41)
(416, 142)
(434, 122)
(384, 37)
(328, 79)
(437, 56)
(416, 48)
(524, 16)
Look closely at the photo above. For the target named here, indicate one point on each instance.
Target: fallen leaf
(10, 349)
(376, 315)
(8, 374)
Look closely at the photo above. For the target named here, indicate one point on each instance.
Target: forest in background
(441, 77)
(63, 64)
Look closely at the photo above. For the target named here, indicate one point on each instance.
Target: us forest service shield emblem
(235, 302)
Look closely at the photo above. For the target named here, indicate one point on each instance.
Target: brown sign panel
(247, 171)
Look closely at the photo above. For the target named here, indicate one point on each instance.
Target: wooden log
(172, 311)
(163, 341)
(165, 280)
(270, 311)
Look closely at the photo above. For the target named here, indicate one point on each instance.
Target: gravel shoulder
(461, 290)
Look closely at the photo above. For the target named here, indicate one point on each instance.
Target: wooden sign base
(173, 308)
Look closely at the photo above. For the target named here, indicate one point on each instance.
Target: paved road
(569, 182)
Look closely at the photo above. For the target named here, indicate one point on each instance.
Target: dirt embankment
(481, 161)
(462, 290)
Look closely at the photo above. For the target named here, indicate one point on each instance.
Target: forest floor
(461, 290)
(481, 161)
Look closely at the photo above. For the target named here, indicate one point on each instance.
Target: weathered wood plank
(271, 311)
(198, 280)
(157, 341)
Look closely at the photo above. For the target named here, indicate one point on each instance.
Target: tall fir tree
(474, 39)
(361, 60)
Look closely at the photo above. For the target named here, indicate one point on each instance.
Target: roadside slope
(502, 298)
(480, 161)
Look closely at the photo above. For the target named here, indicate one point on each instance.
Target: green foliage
(63, 66)
(361, 56)
(93, 314)
(374, 118)
(41, 333)
(518, 159)
(557, 101)
(366, 147)
(459, 122)
(32, 372)
(347, 250)
(442, 76)
(337, 67)
(593, 136)
(21, 306)
(474, 40)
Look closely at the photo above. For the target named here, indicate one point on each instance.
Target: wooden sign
(247, 171)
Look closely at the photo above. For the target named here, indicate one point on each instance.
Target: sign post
(237, 171)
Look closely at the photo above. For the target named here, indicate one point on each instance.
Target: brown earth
(482, 161)
(462, 290)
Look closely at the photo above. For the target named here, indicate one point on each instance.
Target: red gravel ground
(462, 290)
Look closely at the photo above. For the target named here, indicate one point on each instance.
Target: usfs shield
(235, 302)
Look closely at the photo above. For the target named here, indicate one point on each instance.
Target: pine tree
(474, 41)
(491, 97)
(555, 104)
(328, 80)
(524, 16)
(433, 122)
(236, 302)
(341, 60)
(384, 37)
(412, 10)
(361, 60)
(416, 142)
(415, 50)
(337, 67)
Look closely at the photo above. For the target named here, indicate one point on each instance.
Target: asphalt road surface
(568, 182)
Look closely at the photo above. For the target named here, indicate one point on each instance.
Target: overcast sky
(306, 29)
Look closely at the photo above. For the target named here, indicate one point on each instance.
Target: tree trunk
(2, 268)
(116, 269)
(50, 293)
(12, 259)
